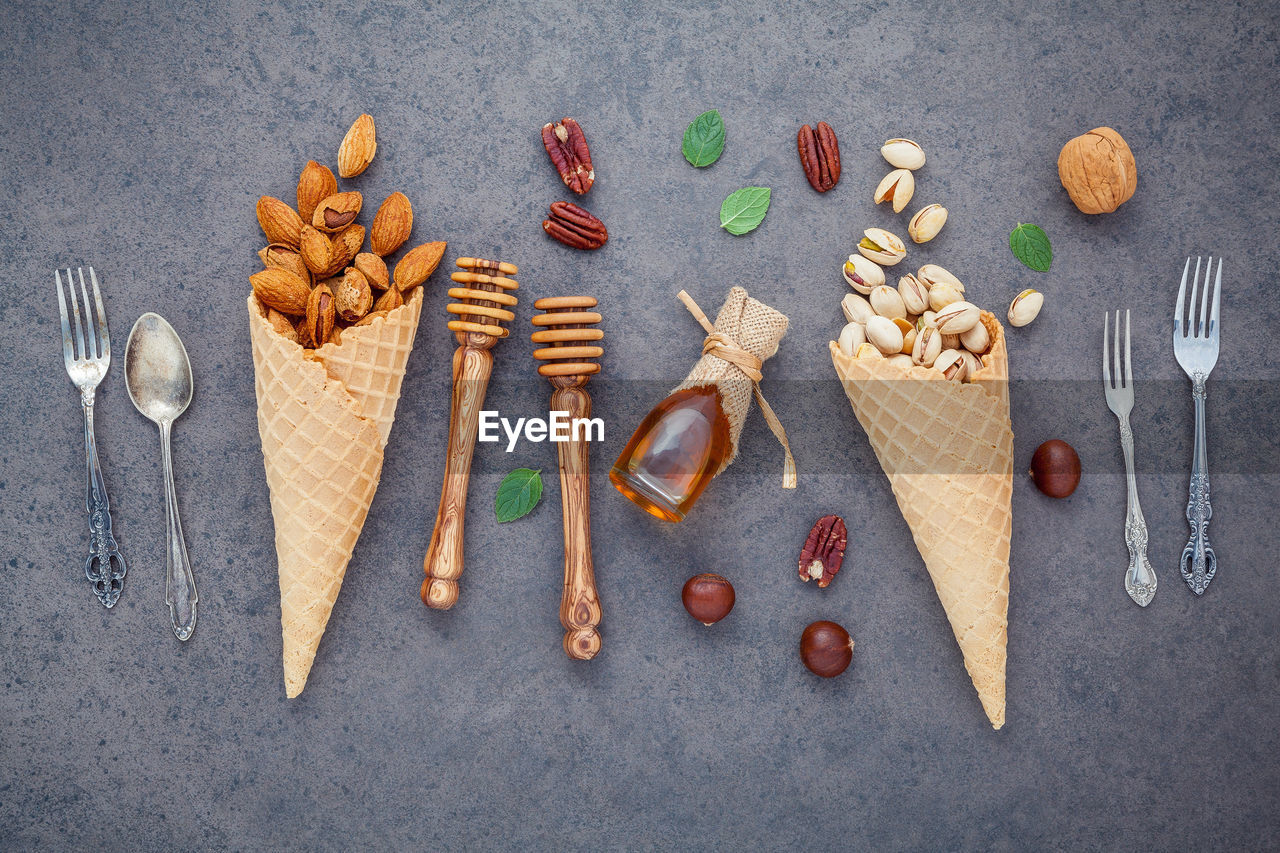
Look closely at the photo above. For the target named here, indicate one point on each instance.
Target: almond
(391, 224)
(417, 264)
(336, 212)
(316, 250)
(281, 290)
(284, 257)
(358, 146)
(282, 325)
(346, 245)
(315, 184)
(279, 221)
(352, 297)
(374, 269)
(370, 317)
(389, 300)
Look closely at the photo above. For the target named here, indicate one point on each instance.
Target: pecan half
(820, 156)
(575, 227)
(567, 146)
(824, 550)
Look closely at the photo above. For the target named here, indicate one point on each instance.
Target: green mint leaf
(518, 495)
(704, 139)
(743, 210)
(1030, 245)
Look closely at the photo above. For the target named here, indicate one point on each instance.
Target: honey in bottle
(675, 452)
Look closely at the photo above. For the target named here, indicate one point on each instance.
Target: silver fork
(1140, 578)
(1196, 348)
(87, 358)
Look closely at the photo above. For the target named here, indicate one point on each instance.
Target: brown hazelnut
(1055, 468)
(826, 649)
(708, 598)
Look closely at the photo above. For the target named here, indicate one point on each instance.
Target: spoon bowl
(157, 370)
(157, 373)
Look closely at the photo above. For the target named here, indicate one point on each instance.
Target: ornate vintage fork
(1196, 348)
(1140, 578)
(87, 359)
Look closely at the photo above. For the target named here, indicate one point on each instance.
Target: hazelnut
(1055, 468)
(826, 649)
(707, 597)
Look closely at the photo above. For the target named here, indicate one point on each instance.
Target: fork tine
(1178, 328)
(1115, 355)
(104, 339)
(1203, 328)
(92, 350)
(68, 352)
(1106, 361)
(1128, 368)
(1217, 293)
(75, 313)
(1191, 308)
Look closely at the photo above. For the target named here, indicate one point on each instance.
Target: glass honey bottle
(675, 452)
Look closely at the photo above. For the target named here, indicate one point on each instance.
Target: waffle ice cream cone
(947, 448)
(323, 422)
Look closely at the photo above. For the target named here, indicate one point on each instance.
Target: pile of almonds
(318, 279)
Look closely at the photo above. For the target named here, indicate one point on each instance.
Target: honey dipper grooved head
(567, 340)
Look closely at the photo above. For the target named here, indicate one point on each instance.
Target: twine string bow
(725, 348)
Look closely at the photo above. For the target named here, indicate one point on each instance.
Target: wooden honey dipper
(483, 302)
(566, 344)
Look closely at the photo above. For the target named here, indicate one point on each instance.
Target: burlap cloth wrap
(745, 335)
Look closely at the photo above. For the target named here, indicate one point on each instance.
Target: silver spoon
(158, 376)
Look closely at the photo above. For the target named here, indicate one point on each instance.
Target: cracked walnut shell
(1098, 171)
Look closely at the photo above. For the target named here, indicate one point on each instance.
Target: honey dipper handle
(580, 604)
(443, 563)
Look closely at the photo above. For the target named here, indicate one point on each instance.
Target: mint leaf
(704, 139)
(518, 495)
(1030, 245)
(743, 210)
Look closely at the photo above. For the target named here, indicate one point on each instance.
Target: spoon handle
(179, 582)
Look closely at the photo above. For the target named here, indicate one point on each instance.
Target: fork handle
(1139, 578)
(105, 567)
(1199, 564)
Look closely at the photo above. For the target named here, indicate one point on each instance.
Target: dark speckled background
(136, 137)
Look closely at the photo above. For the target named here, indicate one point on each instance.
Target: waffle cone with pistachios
(947, 448)
(323, 419)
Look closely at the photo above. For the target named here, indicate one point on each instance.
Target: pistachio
(976, 340)
(884, 335)
(1025, 307)
(927, 222)
(958, 317)
(932, 274)
(914, 293)
(856, 309)
(908, 338)
(972, 363)
(928, 345)
(861, 274)
(928, 318)
(868, 351)
(951, 342)
(903, 154)
(898, 187)
(951, 364)
(887, 303)
(943, 294)
(901, 359)
(852, 336)
(882, 247)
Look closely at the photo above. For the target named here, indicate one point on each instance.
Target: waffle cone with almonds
(947, 449)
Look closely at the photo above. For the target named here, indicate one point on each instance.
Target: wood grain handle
(580, 604)
(443, 563)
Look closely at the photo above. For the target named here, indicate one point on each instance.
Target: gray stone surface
(136, 137)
